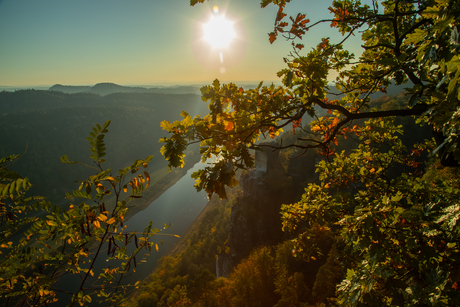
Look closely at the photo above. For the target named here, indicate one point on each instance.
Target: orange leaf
(299, 46)
(335, 122)
(280, 15)
(324, 43)
(229, 126)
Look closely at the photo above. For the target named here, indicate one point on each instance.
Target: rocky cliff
(255, 217)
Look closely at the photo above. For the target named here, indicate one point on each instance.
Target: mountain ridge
(106, 88)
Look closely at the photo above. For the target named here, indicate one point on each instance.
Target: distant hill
(107, 88)
(70, 89)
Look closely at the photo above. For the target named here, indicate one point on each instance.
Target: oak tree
(406, 42)
(398, 234)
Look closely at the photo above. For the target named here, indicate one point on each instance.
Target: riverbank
(162, 182)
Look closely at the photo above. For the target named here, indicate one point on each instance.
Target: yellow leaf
(111, 221)
(156, 247)
(372, 170)
(145, 165)
(69, 241)
(110, 178)
(102, 217)
(50, 223)
(141, 179)
(125, 189)
(315, 128)
(96, 224)
(71, 207)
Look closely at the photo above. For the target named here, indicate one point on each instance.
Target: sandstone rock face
(255, 218)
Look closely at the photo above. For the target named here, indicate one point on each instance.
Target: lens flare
(219, 32)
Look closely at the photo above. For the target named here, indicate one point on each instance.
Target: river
(178, 206)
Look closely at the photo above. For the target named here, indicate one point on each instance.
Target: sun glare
(219, 40)
(219, 32)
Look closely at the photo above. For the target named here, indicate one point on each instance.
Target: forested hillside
(42, 126)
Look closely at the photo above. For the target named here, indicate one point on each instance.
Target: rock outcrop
(255, 217)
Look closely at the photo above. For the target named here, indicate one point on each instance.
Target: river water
(178, 206)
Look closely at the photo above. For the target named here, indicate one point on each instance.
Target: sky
(143, 42)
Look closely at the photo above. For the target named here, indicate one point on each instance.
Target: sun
(219, 32)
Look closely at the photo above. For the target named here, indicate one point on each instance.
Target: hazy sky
(143, 42)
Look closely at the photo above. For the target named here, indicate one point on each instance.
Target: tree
(70, 241)
(405, 42)
(395, 228)
(398, 236)
(252, 281)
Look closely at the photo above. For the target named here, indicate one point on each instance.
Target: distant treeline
(110, 88)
